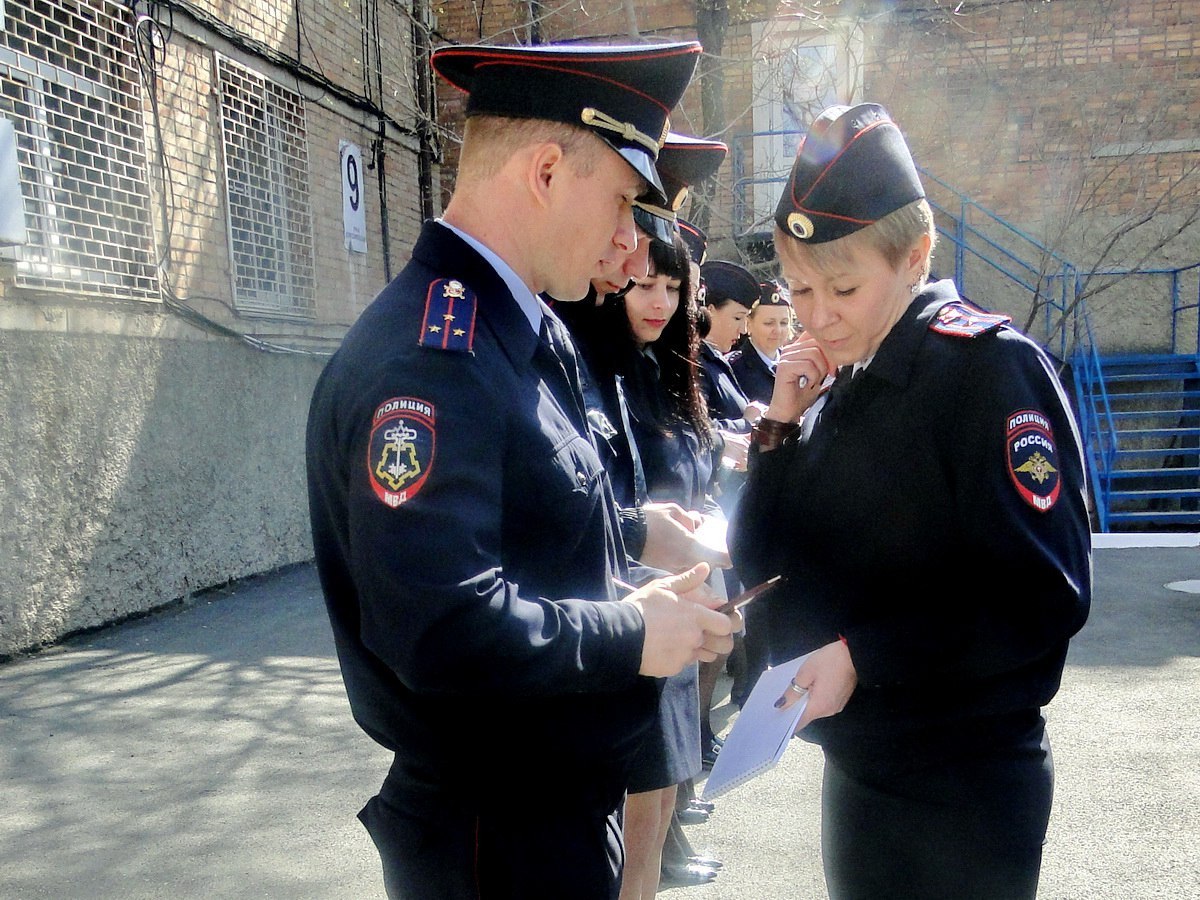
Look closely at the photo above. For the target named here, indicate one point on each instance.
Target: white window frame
(798, 71)
(97, 241)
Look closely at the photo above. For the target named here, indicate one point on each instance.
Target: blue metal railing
(1097, 426)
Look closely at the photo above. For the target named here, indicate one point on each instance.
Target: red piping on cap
(812, 187)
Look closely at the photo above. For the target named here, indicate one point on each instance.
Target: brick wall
(1028, 107)
(1025, 105)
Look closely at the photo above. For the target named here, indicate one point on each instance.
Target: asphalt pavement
(208, 751)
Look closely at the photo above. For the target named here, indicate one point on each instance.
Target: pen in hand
(746, 596)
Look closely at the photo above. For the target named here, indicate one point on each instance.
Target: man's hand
(682, 624)
(828, 678)
(671, 543)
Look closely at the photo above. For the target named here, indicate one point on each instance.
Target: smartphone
(752, 594)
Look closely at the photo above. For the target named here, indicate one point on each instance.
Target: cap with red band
(623, 94)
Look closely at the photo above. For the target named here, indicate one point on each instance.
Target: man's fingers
(686, 581)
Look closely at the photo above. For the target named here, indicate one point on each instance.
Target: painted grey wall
(135, 471)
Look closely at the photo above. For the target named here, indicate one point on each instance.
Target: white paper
(760, 733)
(713, 535)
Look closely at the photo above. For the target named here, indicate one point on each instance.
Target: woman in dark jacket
(768, 328)
(729, 292)
(646, 341)
(929, 515)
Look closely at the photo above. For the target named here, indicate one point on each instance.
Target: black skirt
(968, 825)
(671, 752)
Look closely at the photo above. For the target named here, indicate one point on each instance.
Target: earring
(914, 288)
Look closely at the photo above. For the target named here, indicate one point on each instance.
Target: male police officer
(464, 529)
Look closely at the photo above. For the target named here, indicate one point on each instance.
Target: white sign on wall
(354, 216)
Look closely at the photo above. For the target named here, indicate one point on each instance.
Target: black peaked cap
(623, 94)
(682, 161)
(695, 238)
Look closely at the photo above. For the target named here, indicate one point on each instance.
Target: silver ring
(803, 382)
(792, 686)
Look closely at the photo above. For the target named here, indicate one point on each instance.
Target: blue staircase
(1143, 418)
(1139, 414)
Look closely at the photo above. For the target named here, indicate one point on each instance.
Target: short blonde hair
(490, 141)
(892, 236)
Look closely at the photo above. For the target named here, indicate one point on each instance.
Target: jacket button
(582, 477)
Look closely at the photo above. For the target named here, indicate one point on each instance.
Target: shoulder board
(449, 322)
(960, 319)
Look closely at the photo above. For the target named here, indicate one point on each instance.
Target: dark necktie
(846, 377)
(558, 360)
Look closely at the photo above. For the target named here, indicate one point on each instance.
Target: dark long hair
(677, 349)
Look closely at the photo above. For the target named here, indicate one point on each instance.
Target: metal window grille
(266, 174)
(69, 84)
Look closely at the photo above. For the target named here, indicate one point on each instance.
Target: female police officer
(936, 542)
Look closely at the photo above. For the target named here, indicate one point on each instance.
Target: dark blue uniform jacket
(464, 533)
(938, 519)
(726, 399)
(754, 376)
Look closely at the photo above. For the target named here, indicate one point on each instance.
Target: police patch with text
(401, 451)
(1033, 458)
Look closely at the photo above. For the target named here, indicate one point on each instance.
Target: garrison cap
(725, 280)
(852, 168)
(695, 238)
(771, 294)
(682, 161)
(622, 94)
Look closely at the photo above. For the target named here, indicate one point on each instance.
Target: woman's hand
(801, 369)
(828, 678)
(735, 451)
(754, 411)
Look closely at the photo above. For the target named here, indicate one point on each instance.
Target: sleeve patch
(400, 453)
(449, 321)
(961, 319)
(1033, 459)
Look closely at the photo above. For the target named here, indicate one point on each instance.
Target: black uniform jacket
(464, 531)
(754, 377)
(726, 399)
(677, 466)
(937, 519)
(607, 409)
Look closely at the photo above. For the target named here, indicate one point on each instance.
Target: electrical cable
(151, 35)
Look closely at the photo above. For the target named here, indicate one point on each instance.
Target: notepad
(712, 534)
(760, 733)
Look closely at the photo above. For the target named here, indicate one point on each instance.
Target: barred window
(266, 174)
(69, 85)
